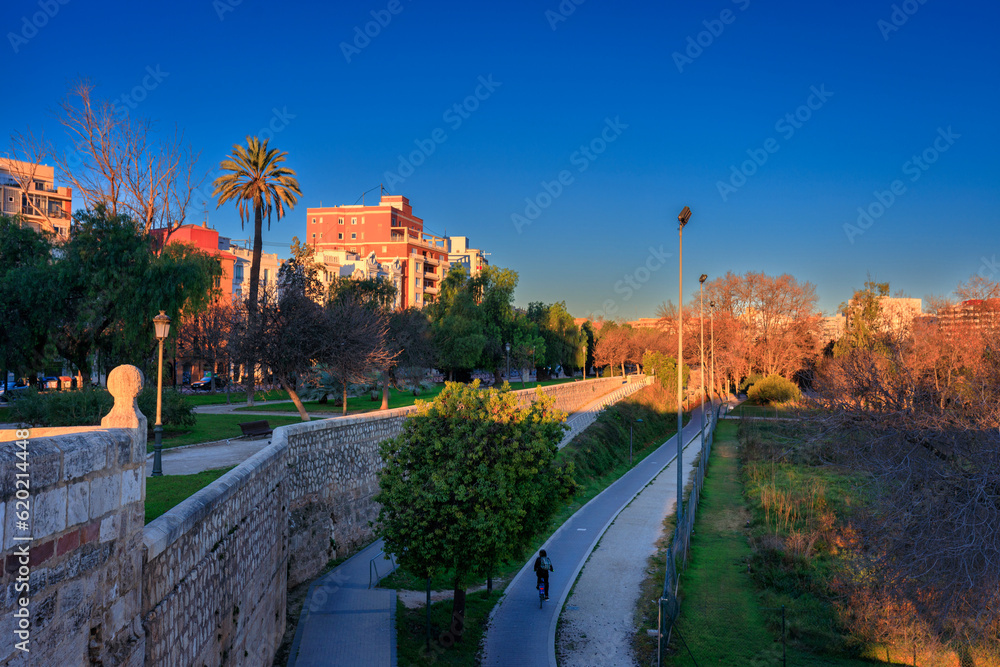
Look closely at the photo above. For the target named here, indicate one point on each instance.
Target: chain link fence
(677, 553)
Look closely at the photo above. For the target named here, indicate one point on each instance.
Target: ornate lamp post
(683, 218)
(701, 321)
(161, 324)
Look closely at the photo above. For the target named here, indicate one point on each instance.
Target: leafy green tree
(864, 328)
(369, 292)
(527, 346)
(493, 291)
(457, 326)
(468, 482)
(28, 298)
(565, 344)
(257, 181)
(113, 283)
(590, 342)
(410, 338)
(664, 367)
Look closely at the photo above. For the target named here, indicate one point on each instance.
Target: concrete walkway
(343, 623)
(519, 632)
(598, 621)
(193, 459)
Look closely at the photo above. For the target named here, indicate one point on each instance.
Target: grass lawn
(163, 493)
(237, 397)
(364, 403)
(411, 628)
(4, 415)
(721, 619)
(212, 427)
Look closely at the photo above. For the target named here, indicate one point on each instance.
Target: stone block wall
(333, 466)
(82, 571)
(214, 579)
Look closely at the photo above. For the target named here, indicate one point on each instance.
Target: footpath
(521, 634)
(598, 621)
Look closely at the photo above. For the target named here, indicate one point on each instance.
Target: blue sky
(558, 76)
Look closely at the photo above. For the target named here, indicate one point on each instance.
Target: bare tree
(206, 334)
(357, 346)
(28, 152)
(117, 161)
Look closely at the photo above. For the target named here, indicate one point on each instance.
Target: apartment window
(341, 221)
(418, 282)
(354, 221)
(354, 249)
(340, 236)
(314, 221)
(384, 249)
(354, 235)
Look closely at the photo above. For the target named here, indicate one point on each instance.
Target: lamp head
(507, 346)
(161, 325)
(684, 216)
(711, 304)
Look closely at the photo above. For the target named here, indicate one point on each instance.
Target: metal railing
(677, 553)
(373, 574)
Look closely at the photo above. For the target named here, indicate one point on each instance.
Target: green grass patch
(411, 631)
(724, 618)
(167, 491)
(365, 403)
(4, 415)
(235, 396)
(208, 428)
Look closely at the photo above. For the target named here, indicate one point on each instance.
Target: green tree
(28, 298)
(665, 369)
(257, 181)
(369, 292)
(457, 326)
(468, 481)
(864, 329)
(113, 282)
(565, 344)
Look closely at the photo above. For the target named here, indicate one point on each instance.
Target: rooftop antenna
(362, 197)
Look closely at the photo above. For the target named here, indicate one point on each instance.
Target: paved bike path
(521, 634)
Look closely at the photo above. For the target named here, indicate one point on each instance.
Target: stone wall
(84, 561)
(206, 583)
(334, 466)
(214, 574)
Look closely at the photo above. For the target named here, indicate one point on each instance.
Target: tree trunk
(258, 247)
(385, 395)
(458, 611)
(523, 373)
(345, 398)
(295, 399)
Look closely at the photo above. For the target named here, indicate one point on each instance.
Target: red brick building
(391, 231)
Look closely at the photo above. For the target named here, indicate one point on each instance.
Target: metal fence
(677, 553)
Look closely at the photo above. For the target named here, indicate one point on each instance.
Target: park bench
(256, 429)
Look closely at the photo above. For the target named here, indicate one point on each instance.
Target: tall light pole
(161, 325)
(507, 346)
(683, 218)
(711, 313)
(701, 321)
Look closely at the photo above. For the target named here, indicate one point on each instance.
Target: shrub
(749, 381)
(773, 389)
(86, 407)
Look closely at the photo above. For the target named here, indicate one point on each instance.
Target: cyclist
(543, 565)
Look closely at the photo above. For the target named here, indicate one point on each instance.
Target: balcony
(431, 289)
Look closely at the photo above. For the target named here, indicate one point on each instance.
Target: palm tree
(256, 179)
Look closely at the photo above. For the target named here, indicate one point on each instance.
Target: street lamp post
(630, 428)
(161, 325)
(682, 219)
(701, 321)
(711, 314)
(507, 346)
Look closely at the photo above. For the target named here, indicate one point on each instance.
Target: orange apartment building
(29, 190)
(391, 231)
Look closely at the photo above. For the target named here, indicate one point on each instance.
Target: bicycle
(541, 593)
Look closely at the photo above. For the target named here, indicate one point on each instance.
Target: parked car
(205, 384)
(10, 391)
(49, 383)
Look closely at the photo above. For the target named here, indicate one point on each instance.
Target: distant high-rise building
(29, 190)
(472, 259)
(390, 231)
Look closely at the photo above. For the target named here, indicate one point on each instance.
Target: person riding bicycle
(543, 565)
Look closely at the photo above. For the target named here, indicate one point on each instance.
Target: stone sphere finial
(124, 383)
